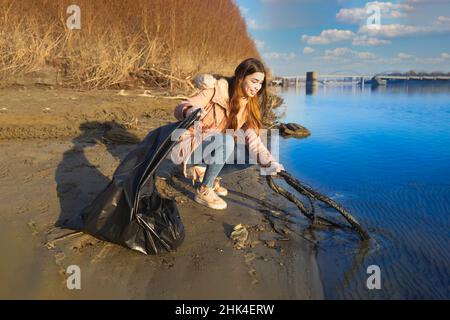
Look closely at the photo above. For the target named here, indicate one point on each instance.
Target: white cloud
(244, 10)
(404, 56)
(364, 40)
(346, 53)
(399, 30)
(443, 20)
(252, 24)
(403, 59)
(395, 30)
(387, 10)
(279, 55)
(428, 61)
(369, 36)
(425, 1)
(351, 16)
(308, 50)
(329, 36)
(395, 14)
(261, 45)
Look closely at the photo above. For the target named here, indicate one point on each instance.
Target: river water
(385, 155)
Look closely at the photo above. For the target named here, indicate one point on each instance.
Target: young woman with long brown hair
(229, 105)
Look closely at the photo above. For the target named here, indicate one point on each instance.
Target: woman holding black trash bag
(229, 106)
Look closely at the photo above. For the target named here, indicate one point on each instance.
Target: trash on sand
(146, 93)
(123, 93)
(270, 243)
(239, 236)
(249, 257)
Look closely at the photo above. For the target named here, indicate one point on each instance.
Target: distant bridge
(330, 76)
(358, 78)
(365, 76)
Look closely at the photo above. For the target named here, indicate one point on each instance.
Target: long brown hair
(235, 92)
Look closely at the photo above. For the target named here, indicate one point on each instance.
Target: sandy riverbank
(49, 166)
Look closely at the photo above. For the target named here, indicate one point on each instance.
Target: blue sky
(339, 36)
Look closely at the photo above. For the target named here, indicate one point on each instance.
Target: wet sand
(50, 168)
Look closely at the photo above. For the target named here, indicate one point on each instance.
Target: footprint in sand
(21, 210)
(43, 208)
(4, 171)
(34, 229)
(43, 173)
(104, 252)
(253, 275)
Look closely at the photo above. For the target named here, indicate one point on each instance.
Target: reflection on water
(384, 154)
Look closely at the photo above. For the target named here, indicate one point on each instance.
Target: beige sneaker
(208, 197)
(220, 191)
(197, 173)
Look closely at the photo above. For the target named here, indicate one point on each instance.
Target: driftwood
(313, 195)
(146, 94)
(293, 130)
(309, 213)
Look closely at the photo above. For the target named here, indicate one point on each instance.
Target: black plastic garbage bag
(130, 211)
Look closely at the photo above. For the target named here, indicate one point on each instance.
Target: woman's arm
(257, 148)
(199, 101)
(258, 151)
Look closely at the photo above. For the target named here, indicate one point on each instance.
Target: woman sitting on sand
(212, 134)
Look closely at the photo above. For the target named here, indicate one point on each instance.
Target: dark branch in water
(313, 195)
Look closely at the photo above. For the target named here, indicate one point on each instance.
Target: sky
(350, 36)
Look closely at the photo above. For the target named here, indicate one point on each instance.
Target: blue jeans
(220, 154)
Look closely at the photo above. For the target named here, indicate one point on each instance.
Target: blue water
(385, 155)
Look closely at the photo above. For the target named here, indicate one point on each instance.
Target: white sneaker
(208, 197)
(197, 173)
(220, 191)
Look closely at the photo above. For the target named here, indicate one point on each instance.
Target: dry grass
(122, 43)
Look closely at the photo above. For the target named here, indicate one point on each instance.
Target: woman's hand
(194, 108)
(272, 169)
